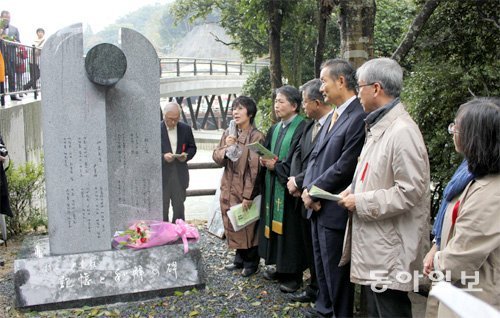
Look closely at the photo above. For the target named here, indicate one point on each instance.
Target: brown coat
(238, 182)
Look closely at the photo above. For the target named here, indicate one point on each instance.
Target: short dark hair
(40, 30)
(340, 67)
(311, 90)
(478, 128)
(292, 95)
(249, 104)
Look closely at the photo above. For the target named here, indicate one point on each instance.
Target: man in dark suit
(317, 110)
(331, 168)
(177, 148)
(9, 51)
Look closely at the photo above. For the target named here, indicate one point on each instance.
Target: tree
(325, 11)
(415, 28)
(357, 20)
(455, 58)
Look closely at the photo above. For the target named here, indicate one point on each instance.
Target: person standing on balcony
(177, 148)
(35, 59)
(239, 183)
(9, 51)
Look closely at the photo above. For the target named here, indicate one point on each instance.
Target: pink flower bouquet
(144, 234)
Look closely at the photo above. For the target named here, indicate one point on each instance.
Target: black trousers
(390, 303)
(173, 192)
(336, 292)
(306, 230)
(248, 258)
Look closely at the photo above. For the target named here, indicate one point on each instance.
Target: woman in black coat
(4, 190)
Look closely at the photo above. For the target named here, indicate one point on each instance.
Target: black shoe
(303, 297)
(313, 313)
(290, 286)
(233, 267)
(270, 274)
(14, 97)
(246, 272)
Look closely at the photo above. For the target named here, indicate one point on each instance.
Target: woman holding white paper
(239, 184)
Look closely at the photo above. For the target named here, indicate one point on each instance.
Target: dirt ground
(8, 255)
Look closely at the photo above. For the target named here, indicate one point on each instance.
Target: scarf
(274, 212)
(455, 186)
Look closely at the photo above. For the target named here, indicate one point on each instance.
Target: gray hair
(384, 71)
(170, 106)
(311, 90)
(340, 67)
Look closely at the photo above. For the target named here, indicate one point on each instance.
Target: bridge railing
(186, 66)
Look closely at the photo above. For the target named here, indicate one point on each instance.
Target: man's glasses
(363, 85)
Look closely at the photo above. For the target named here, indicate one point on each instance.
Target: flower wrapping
(145, 234)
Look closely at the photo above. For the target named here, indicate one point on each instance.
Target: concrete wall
(21, 129)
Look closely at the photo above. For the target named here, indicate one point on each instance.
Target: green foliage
(455, 59)
(26, 183)
(392, 21)
(258, 86)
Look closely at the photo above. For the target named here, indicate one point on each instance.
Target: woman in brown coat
(238, 184)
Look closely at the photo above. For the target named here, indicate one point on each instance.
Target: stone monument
(103, 170)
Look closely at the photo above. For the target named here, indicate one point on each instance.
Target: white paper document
(322, 194)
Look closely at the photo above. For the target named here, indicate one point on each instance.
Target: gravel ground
(227, 294)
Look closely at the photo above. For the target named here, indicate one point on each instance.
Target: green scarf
(274, 216)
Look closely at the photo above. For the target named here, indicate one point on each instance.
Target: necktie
(334, 119)
(315, 130)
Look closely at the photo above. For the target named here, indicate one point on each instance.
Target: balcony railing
(21, 69)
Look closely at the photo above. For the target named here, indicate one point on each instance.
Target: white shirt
(172, 136)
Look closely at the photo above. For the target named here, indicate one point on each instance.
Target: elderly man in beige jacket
(389, 198)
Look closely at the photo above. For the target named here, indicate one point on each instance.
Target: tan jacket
(390, 227)
(238, 182)
(474, 243)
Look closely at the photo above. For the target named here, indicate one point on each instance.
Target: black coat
(286, 250)
(185, 143)
(301, 157)
(4, 191)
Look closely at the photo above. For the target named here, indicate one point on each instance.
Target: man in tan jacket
(389, 198)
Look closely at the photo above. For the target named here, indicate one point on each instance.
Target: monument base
(46, 282)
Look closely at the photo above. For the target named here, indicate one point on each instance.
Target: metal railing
(21, 68)
(201, 165)
(177, 66)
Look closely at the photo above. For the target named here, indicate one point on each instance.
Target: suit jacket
(333, 161)
(185, 139)
(301, 157)
(13, 32)
(9, 50)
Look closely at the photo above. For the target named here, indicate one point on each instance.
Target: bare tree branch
(217, 39)
(415, 29)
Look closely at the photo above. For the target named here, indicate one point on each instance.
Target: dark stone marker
(45, 282)
(105, 64)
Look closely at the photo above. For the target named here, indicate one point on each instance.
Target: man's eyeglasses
(452, 129)
(363, 85)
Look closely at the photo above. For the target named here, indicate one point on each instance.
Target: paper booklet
(239, 218)
(322, 194)
(261, 150)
